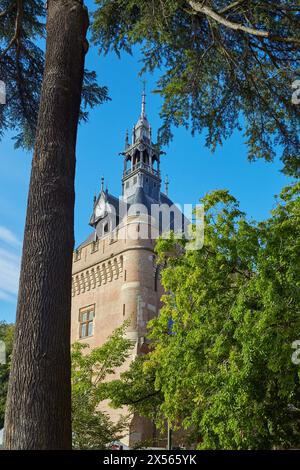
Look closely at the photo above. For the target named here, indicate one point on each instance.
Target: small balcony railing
(142, 166)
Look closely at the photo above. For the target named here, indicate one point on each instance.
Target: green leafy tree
(6, 335)
(136, 389)
(224, 65)
(222, 345)
(91, 371)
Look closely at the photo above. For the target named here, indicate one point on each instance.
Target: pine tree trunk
(38, 413)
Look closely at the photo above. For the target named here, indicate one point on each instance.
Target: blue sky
(191, 167)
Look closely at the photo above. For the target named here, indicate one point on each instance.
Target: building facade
(115, 276)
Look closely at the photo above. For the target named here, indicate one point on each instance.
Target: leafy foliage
(224, 66)
(6, 335)
(92, 428)
(22, 31)
(224, 370)
(136, 389)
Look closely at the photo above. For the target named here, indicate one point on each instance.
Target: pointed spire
(143, 113)
(167, 185)
(102, 183)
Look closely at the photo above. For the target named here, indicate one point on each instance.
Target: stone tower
(115, 276)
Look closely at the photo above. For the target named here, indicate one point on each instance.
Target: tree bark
(38, 412)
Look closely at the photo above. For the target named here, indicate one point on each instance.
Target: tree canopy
(223, 65)
(221, 364)
(22, 33)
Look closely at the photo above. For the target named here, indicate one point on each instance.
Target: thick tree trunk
(38, 414)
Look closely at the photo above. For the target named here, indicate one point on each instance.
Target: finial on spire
(95, 198)
(167, 185)
(143, 114)
(102, 183)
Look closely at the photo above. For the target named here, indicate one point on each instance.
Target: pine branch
(8, 10)
(231, 7)
(239, 27)
(16, 35)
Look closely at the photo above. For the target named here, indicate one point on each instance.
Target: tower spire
(143, 113)
(102, 183)
(141, 159)
(167, 185)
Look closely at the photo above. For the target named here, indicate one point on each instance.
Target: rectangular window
(86, 320)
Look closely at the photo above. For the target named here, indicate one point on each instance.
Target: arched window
(127, 164)
(160, 222)
(146, 157)
(136, 158)
(172, 219)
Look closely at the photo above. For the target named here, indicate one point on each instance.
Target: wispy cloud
(7, 297)
(9, 264)
(8, 236)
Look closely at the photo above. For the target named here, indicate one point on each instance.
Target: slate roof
(139, 197)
